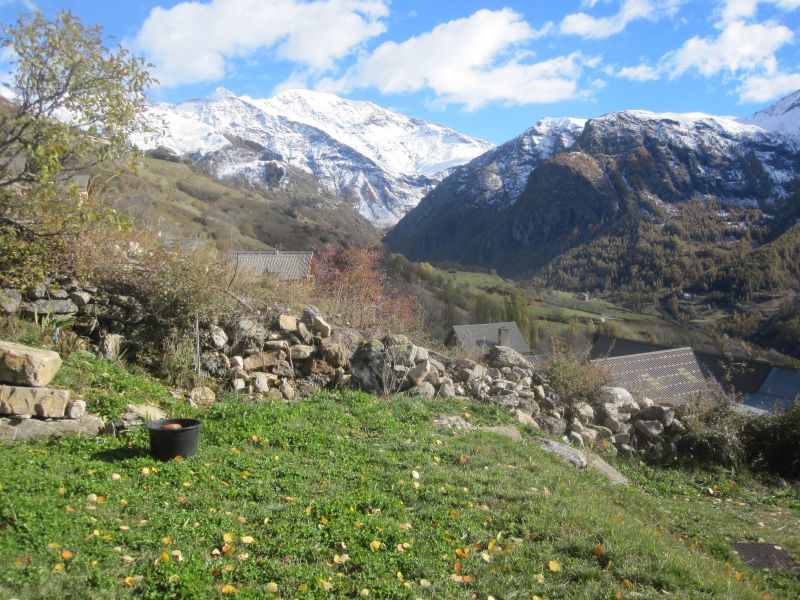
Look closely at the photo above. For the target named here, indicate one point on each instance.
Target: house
(779, 391)
(740, 376)
(673, 377)
(289, 266)
(479, 338)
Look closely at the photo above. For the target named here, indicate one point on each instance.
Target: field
(347, 495)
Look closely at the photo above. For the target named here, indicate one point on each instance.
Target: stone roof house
(289, 266)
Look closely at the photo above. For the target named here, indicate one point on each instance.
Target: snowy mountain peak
(382, 161)
(783, 116)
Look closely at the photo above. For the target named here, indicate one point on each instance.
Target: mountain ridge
(380, 161)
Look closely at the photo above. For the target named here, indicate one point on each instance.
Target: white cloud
(470, 62)
(195, 41)
(758, 88)
(639, 73)
(733, 10)
(740, 47)
(587, 26)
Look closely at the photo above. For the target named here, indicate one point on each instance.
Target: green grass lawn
(347, 492)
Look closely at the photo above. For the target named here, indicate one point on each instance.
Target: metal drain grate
(764, 556)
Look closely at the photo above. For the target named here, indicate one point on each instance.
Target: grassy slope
(326, 477)
(183, 201)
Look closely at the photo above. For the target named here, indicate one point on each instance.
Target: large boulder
(619, 397)
(503, 356)
(33, 401)
(368, 367)
(50, 307)
(23, 365)
(10, 300)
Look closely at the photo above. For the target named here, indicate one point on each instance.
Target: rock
(503, 356)
(322, 327)
(651, 429)
(57, 293)
(288, 323)
(405, 354)
(75, 409)
(202, 396)
(646, 403)
(612, 423)
(576, 426)
(335, 352)
(27, 430)
(276, 345)
(585, 412)
(304, 333)
(626, 450)
(217, 336)
(505, 430)
(602, 432)
(619, 397)
(23, 365)
(654, 412)
(145, 412)
(446, 390)
(50, 307)
(676, 427)
(614, 476)
(263, 361)
(286, 390)
(310, 312)
(575, 438)
(80, 299)
(422, 372)
(620, 438)
(301, 352)
(422, 354)
(30, 401)
(261, 382)
(237, 361)
(589, 436)
(538, 390)
(425, 390)
(283, 369)
(10, 301)
(368, 367)
(36, 292)
(238, 384)
(493, 373)
(452, 422)
(552, 424)
(574, 457)
(526, 419)
(110, 346)
(250, 330)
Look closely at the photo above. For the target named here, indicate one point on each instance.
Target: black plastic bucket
(166, 444)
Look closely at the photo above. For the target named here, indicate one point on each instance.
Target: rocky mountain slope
(783, 116)
(623, 168)
(380, 161)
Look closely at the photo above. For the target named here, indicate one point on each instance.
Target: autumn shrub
(713, 431)
(354, 285)
(771, 442)
(571, 374)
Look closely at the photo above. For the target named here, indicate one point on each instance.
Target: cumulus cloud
(587, 26)
(759, 88)
(195, 41)
(471, 62)
(732, 10)
(639, 73)
(739, 47)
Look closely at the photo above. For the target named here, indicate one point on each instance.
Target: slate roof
(481, 337)
(289, 265)
(743, 376)
(778, 392)
(671, 377)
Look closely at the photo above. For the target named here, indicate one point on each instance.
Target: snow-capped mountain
(532, 198)
(783, 116)
(381, 161)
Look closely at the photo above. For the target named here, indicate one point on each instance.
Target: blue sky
(489, 69)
